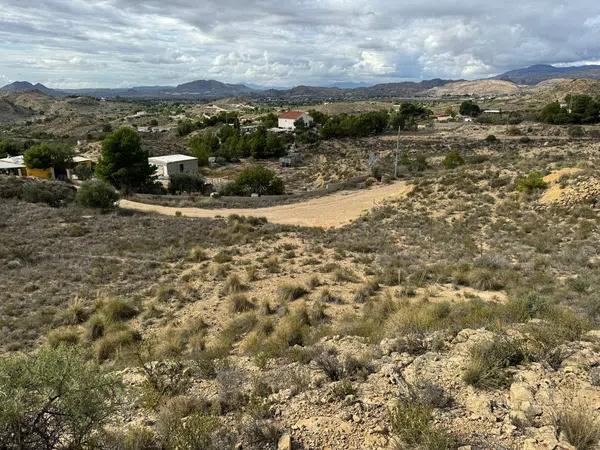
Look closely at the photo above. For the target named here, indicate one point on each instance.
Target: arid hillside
(463, 314)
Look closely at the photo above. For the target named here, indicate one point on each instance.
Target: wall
(189, 167)
(47, 174)
(286, 123)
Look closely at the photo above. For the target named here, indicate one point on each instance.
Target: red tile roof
(291, 115)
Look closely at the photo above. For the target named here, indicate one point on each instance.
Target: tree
(204, 145)
(123, 162)
(54, 399)
(269, 120)
(469, 108)
(9, 148)
(43, 156)
(255, 180)
(97, 194)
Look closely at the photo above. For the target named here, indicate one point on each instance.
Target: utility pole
(397, 152)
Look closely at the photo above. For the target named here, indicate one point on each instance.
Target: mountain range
(542, 72)
(212, 89)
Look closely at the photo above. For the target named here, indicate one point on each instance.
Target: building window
(181, 168)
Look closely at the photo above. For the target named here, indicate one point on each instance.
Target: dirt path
(331, 211)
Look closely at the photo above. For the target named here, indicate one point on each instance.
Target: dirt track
(331, 211)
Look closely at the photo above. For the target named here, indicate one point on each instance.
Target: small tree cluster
(344, 125)
(255, 180)
(470, 108)
(230, 144)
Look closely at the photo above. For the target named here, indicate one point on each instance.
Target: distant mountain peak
(26, 86)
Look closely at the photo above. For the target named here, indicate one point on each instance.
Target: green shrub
(53, 396)
(118, 310)
(411, 423)
(53, 193)
(453, 160)
(255, 180)
(63, 336)
(183, 182)
(489, 362)
(111, 343)
(491, 138)
(531, 182)
(96, 194)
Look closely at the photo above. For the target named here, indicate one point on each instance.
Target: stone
(524, 409)
(285, 442)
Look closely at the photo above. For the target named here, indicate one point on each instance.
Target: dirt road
(331, 211)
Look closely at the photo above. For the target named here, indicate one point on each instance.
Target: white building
(170, 165)
(287, 120)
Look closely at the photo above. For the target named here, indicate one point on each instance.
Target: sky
(110, 43)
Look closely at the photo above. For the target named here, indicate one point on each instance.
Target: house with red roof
(288, 119)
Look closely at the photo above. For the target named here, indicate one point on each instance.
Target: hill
(475, 88)
(541, 72)
(557, 89)
(26, 86)
(10, 112)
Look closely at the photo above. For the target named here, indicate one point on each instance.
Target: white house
(170, 165)
(287, 120)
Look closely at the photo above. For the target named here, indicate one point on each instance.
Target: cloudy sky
(119, 43)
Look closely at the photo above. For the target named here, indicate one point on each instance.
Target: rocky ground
(464, 315)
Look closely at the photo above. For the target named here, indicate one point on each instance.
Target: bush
(576, 132)
(183, 182)
(54, 396)
(489, 361)
(239, 303)
(531, 182)
(291, 292)
(491, 138)
(118, 310)
(53, 193)
(580, 426)
(96, 194)
(411, 422)
(255, 180)
(453, 160)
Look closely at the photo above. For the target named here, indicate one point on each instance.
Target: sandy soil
(332, 211)
(555, 192)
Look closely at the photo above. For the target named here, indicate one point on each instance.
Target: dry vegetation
(464, 314)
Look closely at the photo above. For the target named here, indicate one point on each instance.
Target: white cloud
(129, 42)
